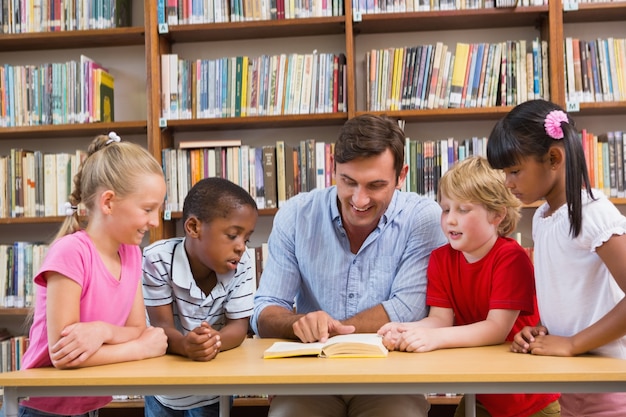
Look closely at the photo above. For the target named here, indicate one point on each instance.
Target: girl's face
(219, 244)
(136, 214)
(530, 180)
(469, 227)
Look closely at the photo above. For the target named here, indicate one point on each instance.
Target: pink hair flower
(553, 124)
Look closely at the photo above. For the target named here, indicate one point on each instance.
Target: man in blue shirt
(352, 257)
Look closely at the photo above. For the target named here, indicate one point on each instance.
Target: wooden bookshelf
(549, 22)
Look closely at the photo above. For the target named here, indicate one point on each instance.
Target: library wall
(135, 100)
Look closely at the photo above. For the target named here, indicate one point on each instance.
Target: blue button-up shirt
(310, 262)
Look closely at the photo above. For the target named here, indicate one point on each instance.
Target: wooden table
(242, 370)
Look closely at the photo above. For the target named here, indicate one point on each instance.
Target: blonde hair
(108, 165)
(473, 180)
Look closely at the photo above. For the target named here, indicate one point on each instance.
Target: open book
(356, 345)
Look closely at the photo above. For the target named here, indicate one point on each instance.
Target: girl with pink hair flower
(580, 243)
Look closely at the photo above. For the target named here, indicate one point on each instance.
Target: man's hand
(318, 326)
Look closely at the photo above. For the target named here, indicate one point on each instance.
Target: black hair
(214, 197)
(522, 133)
(369, 135)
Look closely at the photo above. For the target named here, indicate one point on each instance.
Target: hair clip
(113, 137)
(553, 122)
(69, 209)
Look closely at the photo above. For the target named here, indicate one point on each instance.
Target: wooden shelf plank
(446, 115)
(603, 108)
(451, 19)
(95, 38)
(596, 12)
(287, 28)
(14, 311)
(258, 122)
(73, 130)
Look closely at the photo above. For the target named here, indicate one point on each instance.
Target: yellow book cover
(458, 73)
(395, 78)
(356, 345)
(106, 89)
(244, 85)
(600, 164)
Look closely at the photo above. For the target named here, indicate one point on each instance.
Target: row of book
(56, 93)
(604, 155)
(475, 75)
(274, 173)
(253, 86)
(595, 70)
(18, 264)
(184, 12)
(428, 160)
(26, 16)
(36, 184)
(12, 349)
(401, 6)
(271, 173)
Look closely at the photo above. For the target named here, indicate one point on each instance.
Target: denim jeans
(153, 408)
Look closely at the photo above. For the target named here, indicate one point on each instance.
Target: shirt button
(351, 296)
(354, 262)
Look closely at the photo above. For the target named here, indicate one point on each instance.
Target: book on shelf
(290, 172)
(269, 176)
(123, 14)
(259, 175)
(356, 345)
(458, 74)
(105, 88)
(281, 188)
(208, 143)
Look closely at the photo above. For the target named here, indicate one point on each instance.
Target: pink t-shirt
(103, 298)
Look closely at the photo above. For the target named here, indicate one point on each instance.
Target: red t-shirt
(503, 279)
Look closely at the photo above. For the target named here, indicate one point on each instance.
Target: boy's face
(469, 227)
(219, 244)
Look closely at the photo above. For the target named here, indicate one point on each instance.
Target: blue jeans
(153, 408)
(31, 412)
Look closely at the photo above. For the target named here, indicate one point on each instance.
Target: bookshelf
(356, 36)
(133, 54)
(122, 51)
(550, 21)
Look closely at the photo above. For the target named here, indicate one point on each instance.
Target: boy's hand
(526, 336)
(419, 339)
(391, 334)
(202, 343)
